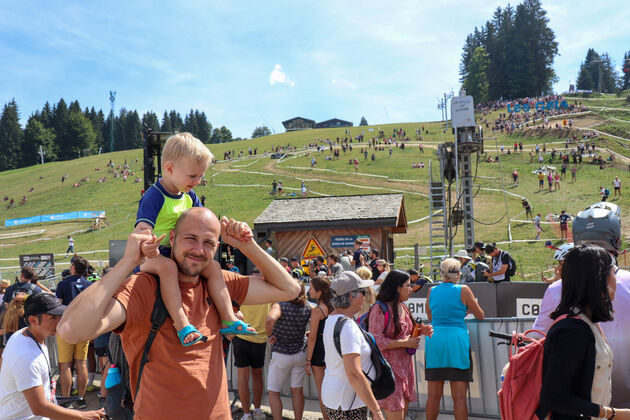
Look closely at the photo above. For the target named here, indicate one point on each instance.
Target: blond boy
(185, 160)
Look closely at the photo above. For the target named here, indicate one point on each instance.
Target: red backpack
(519, 395)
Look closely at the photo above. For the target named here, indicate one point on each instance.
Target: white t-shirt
(617, 183)
(337, 393)
(616, 333)
(24, 366)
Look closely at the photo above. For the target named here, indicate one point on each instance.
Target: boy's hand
(135, 242)
(150, 248)
(235, 233)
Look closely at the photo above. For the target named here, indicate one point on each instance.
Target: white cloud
(278, 76)
(346, 84)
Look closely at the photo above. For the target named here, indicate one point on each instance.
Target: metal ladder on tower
(437, 222)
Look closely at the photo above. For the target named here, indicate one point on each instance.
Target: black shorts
(248, 354)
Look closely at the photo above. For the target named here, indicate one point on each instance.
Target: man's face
(45, 325)
(282, 263)
(294, 264)
(414, 277)
(195, 242)
(357, 246)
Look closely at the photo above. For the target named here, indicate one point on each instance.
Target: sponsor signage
(539, 106)
(462, 111)
(342, 241)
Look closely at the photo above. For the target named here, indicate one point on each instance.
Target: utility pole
(41, 153)
(443, 105)
(112, 99)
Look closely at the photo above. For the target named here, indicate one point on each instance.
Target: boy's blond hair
(182, 146)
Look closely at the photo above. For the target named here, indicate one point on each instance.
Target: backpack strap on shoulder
(158, 317)
(385, 310)
(337, 333)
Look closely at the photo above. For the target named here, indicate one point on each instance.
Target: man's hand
(235, 233)
(138, 243)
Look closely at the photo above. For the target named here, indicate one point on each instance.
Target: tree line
(511, 56)
(63, 132)
(597, 72)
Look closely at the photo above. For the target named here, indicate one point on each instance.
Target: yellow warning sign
(313, 249)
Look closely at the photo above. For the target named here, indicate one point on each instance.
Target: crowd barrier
(488, 361)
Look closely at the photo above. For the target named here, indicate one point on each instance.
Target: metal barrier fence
(488, 362)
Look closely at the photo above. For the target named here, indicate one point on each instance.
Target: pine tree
(166, 123)
(11, 136)
(120, 136)
(59, 122)
(150, 120)
(625, 81)
(81, 136)
(177, 123)
(261, 132)
(203, 126)
(476, 83)
(363, 121)
(36, 135)
(133, 131)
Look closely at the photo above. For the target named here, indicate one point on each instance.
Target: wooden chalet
(298, 123)
(334, 222)
(332, 123)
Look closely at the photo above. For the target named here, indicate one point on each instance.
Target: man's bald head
(199, 215)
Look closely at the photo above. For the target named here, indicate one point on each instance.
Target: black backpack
(26, 287)
(384, 383)
(119, 402)
(511, 271)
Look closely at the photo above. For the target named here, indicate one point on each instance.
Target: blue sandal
(189, 329)
(236, 328)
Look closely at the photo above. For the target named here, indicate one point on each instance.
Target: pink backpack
(519, 395)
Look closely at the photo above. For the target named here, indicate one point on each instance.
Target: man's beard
(184, 266)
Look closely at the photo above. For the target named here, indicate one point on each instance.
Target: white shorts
(284, 365)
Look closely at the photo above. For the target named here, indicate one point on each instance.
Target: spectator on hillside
(70, 245)
(564, 221)
(604, 192)
(617, 187)
(537, 225)
(528, 208)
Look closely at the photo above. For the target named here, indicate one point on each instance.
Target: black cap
(43, 303)
(480, 244)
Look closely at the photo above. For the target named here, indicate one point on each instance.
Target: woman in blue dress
(447, 352)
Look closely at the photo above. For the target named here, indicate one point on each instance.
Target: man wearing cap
(284, 262)
(467, 272)
(26, 386)
(179, 382)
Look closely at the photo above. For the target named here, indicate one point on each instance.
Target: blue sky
(249, 63)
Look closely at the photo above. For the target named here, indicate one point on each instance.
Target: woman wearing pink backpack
(577, 361)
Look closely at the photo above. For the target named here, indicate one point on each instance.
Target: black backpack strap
(158, 317)
(337, 333)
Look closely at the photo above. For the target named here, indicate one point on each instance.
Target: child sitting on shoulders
(185, 160)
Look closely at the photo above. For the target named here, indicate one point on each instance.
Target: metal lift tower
(456, 161)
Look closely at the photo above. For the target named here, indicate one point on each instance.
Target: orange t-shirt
(177, 382)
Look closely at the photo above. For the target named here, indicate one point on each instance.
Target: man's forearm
(86, 312)
(272, 271)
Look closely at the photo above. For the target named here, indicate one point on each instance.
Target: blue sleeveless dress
(447, 353)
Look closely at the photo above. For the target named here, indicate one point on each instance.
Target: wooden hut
(333, 222)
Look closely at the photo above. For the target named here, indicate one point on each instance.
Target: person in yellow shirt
(249, 358)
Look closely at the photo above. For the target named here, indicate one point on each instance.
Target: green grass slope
(240, 189)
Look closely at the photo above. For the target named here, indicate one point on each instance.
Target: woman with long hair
(577, 360)
(12, 319)
(395, 339)
(383, 268)
(315, 353)
(286, 327)
(447, 352)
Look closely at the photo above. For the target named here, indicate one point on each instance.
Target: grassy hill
(240, 188)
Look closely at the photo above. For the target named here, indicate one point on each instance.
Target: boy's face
(184, 175)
